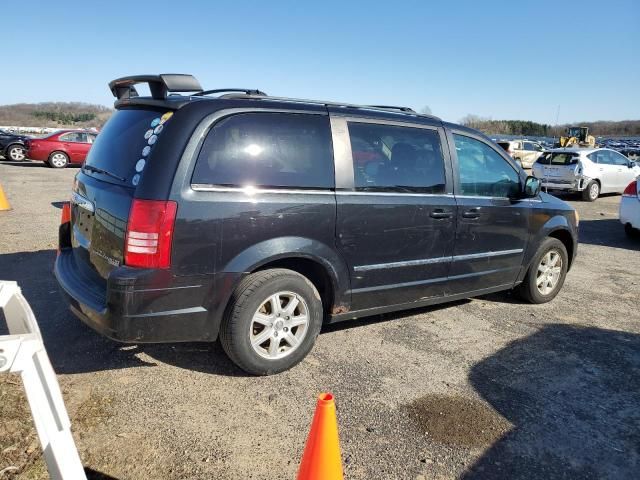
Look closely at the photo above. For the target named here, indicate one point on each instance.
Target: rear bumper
(143, 306)
(576, 184)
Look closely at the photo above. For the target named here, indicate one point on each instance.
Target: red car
(61, 148)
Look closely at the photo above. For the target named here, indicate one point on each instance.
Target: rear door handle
(471, 213)
(440, 213)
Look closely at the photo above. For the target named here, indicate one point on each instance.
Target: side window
(618, 159)
(394, 158)
(604, 157)
(267, 150)
(530, 147)
(70, 137)
(91, 138)
(482, 171)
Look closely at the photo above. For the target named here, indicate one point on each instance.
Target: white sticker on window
(148, 133)
(146, 150)
(153, 139)
(140, 165)
(158, 129)
(135, 179)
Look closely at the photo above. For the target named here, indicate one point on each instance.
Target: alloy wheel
(279, 325)
(549, 272)
(58, 160)
(17, 154)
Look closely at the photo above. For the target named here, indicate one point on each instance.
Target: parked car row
(57, 149)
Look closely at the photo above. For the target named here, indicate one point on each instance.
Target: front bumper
(140, 305)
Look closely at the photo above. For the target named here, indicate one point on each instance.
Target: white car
(630, 208)
(590, 171)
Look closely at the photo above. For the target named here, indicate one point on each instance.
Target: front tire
(592, 192)
(272, 321)
(16, 153)
(58, 160)
(547, 272)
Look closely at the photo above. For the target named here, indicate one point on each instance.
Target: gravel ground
(484, 388)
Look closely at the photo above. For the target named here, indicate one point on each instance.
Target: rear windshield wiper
(91, 168)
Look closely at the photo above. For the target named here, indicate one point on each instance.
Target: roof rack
(391, 107)
(246, 91)
(405, 110)
(159, 85)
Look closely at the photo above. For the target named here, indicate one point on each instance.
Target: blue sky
(504, 60)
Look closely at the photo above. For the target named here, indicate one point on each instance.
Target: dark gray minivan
(257, 219)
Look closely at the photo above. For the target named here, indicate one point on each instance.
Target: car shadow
(24, 163)
(571, 394)
(74, 347)
(606, 232)
(33, 163)
(386, 317)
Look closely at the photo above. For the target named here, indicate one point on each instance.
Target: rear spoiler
(159, 85)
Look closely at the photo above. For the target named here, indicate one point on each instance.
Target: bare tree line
(525, 127)
(55, 114)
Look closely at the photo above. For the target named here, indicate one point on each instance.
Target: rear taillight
(65, 216)
(149, 234)
(631, 190)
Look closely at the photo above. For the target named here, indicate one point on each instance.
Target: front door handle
(440, 213)
(471, 213)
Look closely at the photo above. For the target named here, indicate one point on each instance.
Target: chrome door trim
(428, 261)
(474, 256)
(394, 194)
(408, 263)
(249, 190)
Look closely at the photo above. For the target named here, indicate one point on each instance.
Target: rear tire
(592, 192)
(631, 232)
(16, 153)
(544, 279)
(58, 160)
(261, 336)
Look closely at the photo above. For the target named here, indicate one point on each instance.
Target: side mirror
(532, 187)
(631, 164)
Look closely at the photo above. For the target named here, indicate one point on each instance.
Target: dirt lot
(485, 388)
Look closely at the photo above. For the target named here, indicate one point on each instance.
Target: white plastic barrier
(22, 351)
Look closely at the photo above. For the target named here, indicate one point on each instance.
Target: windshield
(558, 158)
(120, 143)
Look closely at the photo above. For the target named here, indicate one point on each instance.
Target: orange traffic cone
(4, 203)
(321, 458)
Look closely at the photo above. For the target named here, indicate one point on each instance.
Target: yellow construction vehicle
(578, 137)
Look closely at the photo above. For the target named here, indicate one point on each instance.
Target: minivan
(255, 219)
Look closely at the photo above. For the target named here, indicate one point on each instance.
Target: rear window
(267, 150)
(558, 158)
(121, 142)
